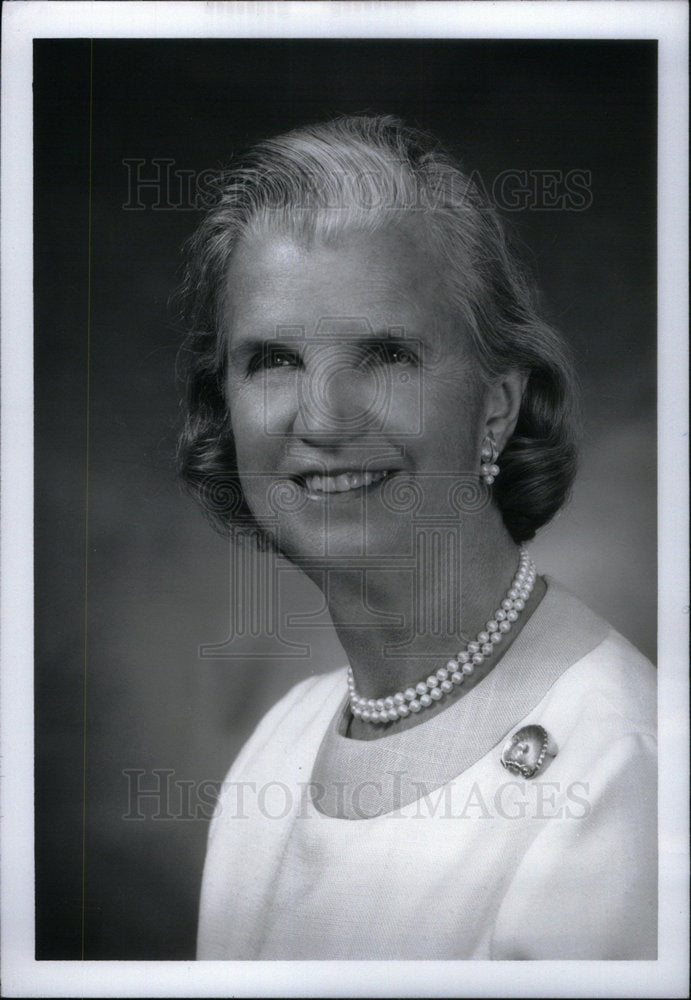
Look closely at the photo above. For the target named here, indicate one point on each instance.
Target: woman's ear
(502, 406)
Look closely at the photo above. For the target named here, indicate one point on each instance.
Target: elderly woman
(373, 394)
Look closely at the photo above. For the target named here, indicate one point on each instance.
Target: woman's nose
(338, 401)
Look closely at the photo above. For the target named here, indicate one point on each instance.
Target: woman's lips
(318, 486)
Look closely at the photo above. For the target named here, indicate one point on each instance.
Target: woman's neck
(397, 626)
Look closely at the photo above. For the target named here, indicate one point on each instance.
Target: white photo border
(24, 20)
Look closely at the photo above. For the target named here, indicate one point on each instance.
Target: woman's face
(355, 403)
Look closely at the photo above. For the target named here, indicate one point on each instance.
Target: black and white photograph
(345, 500)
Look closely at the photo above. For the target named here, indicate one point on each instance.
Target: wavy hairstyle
(364, 172)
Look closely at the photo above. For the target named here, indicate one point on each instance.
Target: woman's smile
(340, 484)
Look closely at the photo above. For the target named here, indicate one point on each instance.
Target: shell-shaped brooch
(527, 750)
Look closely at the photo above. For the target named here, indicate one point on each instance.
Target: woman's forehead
(384, 278)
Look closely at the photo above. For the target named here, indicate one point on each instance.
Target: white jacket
(459, 858)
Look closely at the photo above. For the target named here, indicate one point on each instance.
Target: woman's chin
(342, 544)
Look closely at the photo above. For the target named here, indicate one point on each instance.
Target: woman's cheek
(260, 446)
(266, 409)
(249, 423)
(406, 407)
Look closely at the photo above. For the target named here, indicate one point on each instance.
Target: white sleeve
(587, 888)
(230, 840)
(265, 731)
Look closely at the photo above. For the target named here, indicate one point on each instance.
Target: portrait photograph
(345, 500)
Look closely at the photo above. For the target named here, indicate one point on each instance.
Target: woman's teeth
(343, 482)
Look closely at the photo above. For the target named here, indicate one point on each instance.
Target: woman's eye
(393, 354)
(281, 359)
(272, 358)
(402, 356)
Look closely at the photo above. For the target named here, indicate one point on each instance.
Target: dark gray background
(120, 684)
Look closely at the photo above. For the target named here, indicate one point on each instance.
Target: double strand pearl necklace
(462, 665)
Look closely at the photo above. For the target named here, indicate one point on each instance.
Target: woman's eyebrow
(391, 333)
(387, 333)
(245, 346)
(249, 347)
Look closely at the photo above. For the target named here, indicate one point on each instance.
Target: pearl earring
(489, 454)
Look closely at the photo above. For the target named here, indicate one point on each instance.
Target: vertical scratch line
(86, 504)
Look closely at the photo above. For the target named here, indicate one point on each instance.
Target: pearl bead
(367, 715)
(421, 688)
(357, 712)
(496, 636)
(443, 672)
(519, 604)
(500, 615)
(473, 647)
(463, 657)
(504, 627)
(383, 715)
(399, 698)
(468, 669)
(486, 648)
(388, 702)
(415, 705)
(432, 681)
(512, 593)
(446, 686)
(450, 667)
(425, 700)
(492, 625)
(435, 694)
(512, 615)
(393, 714)
(458, 677)
(477, 658)
(489, 480)
(379, 704)
(409, 694)
(403, 710)
(507, 604)
(482, 637)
